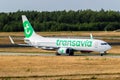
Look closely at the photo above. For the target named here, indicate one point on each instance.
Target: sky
(58, 5)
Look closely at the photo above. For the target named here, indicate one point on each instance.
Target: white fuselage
(76, 44)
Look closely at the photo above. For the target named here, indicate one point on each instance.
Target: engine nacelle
(68, 51)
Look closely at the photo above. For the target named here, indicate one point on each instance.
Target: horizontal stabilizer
(11, 40)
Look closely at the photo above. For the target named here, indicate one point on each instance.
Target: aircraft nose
(109, 47)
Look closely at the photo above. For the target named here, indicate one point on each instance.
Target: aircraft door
(97, 46)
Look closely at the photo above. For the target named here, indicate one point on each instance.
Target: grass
(115, 50)
(67, 33)
(58, 67)
(25, 50)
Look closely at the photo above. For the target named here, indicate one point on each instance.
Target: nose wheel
(103, 53)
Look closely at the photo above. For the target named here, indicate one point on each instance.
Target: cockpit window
(103, 43)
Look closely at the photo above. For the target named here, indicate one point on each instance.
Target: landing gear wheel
(71, 54)
(105, 52)
(101, 54)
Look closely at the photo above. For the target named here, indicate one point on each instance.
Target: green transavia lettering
(74, 43)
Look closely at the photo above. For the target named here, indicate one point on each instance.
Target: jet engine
(67, 51)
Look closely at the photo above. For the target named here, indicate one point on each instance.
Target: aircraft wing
(28, 45)
(48, 47)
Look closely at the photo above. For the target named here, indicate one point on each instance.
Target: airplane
(63, 46)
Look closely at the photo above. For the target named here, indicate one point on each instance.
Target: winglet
(91, 36)
(11, 40)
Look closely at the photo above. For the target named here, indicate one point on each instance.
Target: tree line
(81, 20)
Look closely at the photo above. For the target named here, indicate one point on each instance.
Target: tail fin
(28, 30)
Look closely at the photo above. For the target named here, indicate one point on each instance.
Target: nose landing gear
(103, 53)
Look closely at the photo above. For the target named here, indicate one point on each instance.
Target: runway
(52, 54)
(25, 54)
